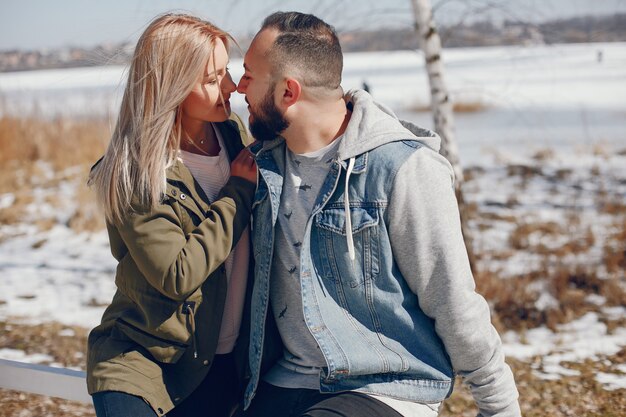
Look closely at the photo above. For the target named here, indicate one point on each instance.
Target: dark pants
(272, 401)
(118, 404)
(214, 397)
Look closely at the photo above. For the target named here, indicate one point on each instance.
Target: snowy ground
(555, 98)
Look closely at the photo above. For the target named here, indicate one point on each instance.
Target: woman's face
(203, 103)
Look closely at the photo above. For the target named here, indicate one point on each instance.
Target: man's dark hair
(307, 44)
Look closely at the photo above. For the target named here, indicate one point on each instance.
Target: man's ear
(292, 90)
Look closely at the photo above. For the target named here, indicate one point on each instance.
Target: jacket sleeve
(428, 247)
(176, 264)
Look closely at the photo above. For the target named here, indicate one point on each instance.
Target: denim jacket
(390, 316)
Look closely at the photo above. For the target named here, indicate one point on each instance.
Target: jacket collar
(263, 150)
(181, 183)
(230, 131)
(179, 178)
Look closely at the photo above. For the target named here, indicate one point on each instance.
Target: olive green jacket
(158, 336)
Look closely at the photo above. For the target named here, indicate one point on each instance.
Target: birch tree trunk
(441, 105)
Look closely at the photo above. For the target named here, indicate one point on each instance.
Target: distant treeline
(574, 30)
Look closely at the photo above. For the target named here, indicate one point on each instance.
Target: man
(360, 262)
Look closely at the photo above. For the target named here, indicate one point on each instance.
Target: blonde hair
(168, 59)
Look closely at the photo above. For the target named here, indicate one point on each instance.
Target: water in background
(519, 98)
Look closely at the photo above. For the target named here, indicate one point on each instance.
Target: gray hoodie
(424, 223)
(424, 243)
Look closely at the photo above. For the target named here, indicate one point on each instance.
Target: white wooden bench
(45, 380)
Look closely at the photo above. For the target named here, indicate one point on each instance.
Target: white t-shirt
(212, 173)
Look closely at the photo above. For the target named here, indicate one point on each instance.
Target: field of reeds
(549, 241)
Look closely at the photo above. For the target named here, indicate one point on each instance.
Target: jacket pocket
(331, 239)
(132, 357)
(334, 219)
(159, 324)
(162, 349)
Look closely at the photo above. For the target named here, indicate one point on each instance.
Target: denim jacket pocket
(332, 244)
(334, 219)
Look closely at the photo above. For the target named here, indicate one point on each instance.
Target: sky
(41, 24)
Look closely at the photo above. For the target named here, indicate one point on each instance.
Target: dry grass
(469, 106)
(614, 250)
(20, 404)
(543, 155)
(571, 289)
(579, 396)
(44, 154)
(87, 216)
(513, 304)
(563, 253)
(562, 174)
(492, 216)
(524, 234)
(66, 350)
(472, 106)
(526, 172)
(472, 173)
(23, 197)
(613, 206)
(521, 237)
(514, 299)
(63, 143)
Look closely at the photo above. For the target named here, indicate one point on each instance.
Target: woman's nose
(229, 85)
(241, 87)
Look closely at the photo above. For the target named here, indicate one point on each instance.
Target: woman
(177, 217)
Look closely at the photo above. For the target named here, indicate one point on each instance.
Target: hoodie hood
(372, 125)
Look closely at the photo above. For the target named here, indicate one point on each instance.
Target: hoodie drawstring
(346, 201)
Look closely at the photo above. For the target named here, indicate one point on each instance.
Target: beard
(268, 122)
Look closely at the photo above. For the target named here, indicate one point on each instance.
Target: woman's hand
(244, 166)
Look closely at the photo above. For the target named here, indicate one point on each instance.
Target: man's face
(266, 120)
